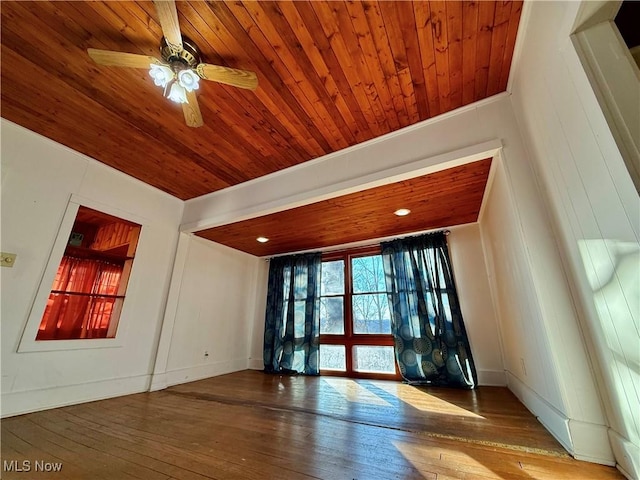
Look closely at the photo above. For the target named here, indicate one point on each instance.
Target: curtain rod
(346, 246)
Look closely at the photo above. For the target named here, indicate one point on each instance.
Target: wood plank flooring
(249, 425)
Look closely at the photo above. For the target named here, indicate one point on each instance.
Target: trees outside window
(355, 321)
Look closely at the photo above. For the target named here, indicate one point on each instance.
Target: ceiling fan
(180, 69)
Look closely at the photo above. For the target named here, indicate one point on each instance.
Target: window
(89, 287)
(355, 321)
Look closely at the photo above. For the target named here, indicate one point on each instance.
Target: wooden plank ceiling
(445, 198)
(331, 75)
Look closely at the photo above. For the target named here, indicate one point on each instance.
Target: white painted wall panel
(478, 312)
(528, 355)
(256, 360)
(38, 179)
(594, 207)
(215, 310)
(549, 308)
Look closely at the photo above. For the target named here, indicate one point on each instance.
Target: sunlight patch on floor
(460, 465)
(423, 401)
(354, 392)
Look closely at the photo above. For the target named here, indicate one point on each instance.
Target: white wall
(211, 308)
(38, 179)
(594, 208)
(256, 359)
(478, 312)
(545, 360)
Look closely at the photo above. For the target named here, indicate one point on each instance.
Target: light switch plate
(7, 259)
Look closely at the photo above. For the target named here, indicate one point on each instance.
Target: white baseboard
(591, 442)
(256, 364)
(492, 378)
(584, 441)
(19, 403)
(553, 420)
(488, 378)
(158, 382)
(627, 455)
(199, 372)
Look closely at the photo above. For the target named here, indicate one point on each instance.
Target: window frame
(28, 342)
(350, 339)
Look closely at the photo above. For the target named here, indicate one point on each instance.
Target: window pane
(333, 357)
(371, 313)
(373, 359)
(367, 274)
(332, 278)
(332, 315)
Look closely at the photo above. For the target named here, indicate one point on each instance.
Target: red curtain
(76, 307)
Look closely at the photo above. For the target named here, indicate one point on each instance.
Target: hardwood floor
(249, 425)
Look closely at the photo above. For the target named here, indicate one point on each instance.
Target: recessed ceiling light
(402, 212)
(262, 239)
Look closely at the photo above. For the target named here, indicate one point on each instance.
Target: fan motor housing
(189, 56)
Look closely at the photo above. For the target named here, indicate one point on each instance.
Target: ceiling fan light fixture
(161, 74)
(177, 93)
(189, 80)
(180, 70)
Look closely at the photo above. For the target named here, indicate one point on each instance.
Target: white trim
(19, 403)
(591, 442)
(593, 12)
(158, 378)
(627, 454)
(199, 372)
(553, 420)
(349, 150)
(256, 364)
(601, 52)
(497, 158)
(583, 440)
(28, 343)
(496, 164)
(158, 382)
(351, 185)
(108, 209)
(487, 378)
(492, 378)
(519, 45)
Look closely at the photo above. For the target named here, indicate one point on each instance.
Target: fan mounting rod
(188, 57)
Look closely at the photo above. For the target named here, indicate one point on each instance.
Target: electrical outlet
(7, 259)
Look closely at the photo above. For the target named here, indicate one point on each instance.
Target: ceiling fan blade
(228, 76)
(191, 111)
(121, 59)
(168, 15)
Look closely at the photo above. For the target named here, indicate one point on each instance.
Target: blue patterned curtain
(292, 321)
(431, 343)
